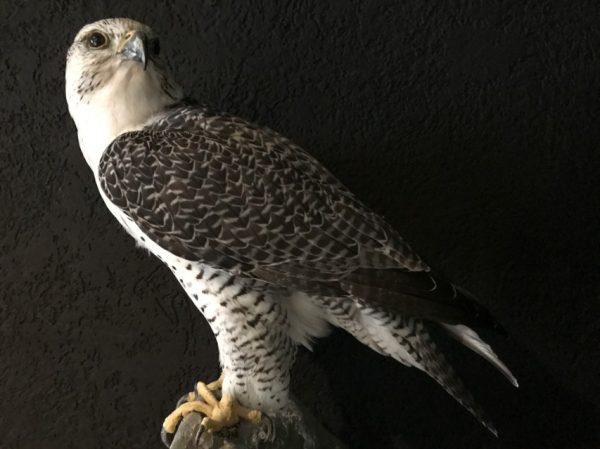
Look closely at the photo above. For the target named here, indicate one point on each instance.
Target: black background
(472, 126)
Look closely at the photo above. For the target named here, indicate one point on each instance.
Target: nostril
(128, 35)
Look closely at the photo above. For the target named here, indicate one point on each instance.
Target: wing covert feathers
(220, 190)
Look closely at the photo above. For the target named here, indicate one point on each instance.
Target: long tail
(471, 340)
(408, 341)
(434, 363)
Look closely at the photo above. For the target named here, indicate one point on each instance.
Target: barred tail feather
(471, 340)
(435, 365)
(406, 340)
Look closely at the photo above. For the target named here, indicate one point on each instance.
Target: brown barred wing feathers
(238, 197)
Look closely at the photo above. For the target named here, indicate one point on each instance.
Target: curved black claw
(166, 438)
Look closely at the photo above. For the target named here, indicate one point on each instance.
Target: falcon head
(115, 82)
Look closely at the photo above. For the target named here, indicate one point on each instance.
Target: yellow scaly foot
(218, 413)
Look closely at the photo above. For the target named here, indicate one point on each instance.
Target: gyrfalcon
(266, 242)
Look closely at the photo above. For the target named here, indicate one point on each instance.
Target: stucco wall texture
(472, 126)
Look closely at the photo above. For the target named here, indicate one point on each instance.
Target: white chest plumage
(251, 322)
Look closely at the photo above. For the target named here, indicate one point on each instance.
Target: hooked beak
(135, 47)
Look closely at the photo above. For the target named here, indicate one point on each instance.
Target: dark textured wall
(472, 126)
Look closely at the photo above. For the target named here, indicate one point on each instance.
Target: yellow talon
(170, 423)
(218, 413)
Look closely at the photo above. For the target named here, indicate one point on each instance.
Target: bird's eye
(97, 40)
(155, 47)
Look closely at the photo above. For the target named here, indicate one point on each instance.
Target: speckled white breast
(249, 320)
